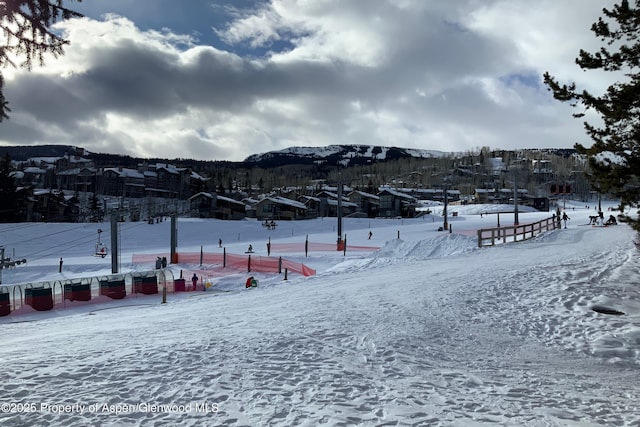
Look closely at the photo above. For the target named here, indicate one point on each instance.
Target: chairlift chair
(101, 248)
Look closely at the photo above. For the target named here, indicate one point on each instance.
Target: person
(250, 250)
(194, 281)
(370, 234)
(565, 217)
(219, 243)
(612, 220)
(164, 262)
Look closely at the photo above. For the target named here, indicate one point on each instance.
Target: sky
(428, 330)
(216, 80)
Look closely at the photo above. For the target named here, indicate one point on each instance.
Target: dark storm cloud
(133, 79)
(49, 98)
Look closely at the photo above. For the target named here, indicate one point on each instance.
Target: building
(366, 202)
(211, 205)
(122, 182)
(280, 208)
(394, 203)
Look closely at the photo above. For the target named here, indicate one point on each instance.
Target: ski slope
(428, 330)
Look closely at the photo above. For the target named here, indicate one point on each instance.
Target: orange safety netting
(250, 262)
(318, 247)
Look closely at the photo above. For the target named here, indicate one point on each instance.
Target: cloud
(450, 76)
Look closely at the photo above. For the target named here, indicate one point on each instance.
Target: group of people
(161, 262)
(561, 217)
(270, 224)
(599, 220)
(593, 219)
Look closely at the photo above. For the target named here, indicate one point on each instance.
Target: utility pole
(174, 239)
(599, 203)
(114, 243)
(515, 197)
(445, 226)
(339, 213)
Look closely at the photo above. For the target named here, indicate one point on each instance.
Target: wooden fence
(514, 233)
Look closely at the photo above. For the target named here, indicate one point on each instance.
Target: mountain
(345, 155)
(24, 152)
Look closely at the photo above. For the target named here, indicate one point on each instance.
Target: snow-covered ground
(428, 330)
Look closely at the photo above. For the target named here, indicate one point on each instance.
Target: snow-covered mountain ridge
(347, 155)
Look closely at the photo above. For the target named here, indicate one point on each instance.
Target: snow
(428, 330)
(350, 151)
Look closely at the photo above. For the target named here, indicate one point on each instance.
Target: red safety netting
(248, 262)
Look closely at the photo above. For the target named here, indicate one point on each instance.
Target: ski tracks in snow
(469, 347)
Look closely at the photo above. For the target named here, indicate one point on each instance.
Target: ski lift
(101, 248)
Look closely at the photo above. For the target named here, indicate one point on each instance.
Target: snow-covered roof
(310, 198)
(510, 190)
(250, 201)
(333, 202)
(363, 194)
(197, 176)
(72, 171)
(34, 170)
(125, 172)
(397, 194)
(334, 196)
(76, 159)
(285, 201)
(217, 196)
(50, 160)
(173, 169)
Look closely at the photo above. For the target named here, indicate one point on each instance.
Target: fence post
(249, 264)
(285, 274)
(479, 238)
(224, 257)
(306, 246)
(280, 265)
(201, 255)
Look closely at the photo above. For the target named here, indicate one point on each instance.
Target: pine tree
(26, 29)
(8, 195)
(614, 156)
